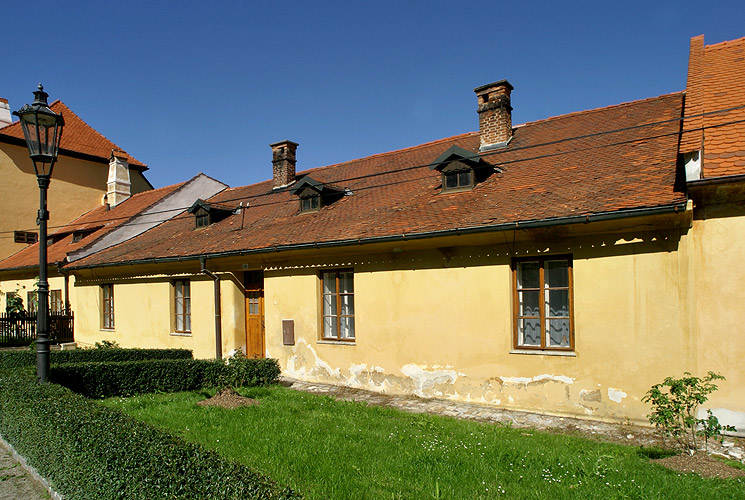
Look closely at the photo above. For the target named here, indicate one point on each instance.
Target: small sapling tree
(675, 405)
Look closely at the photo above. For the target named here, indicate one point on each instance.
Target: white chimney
(118, 184)
(5, 118)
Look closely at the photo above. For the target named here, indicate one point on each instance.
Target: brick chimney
(118, 184)
(495, 114)
(5, 117)
(283, 161)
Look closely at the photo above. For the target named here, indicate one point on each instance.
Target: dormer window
(202, 217)
(310, 203)
(209, 213)
(461, 169)
(462, 179)
(314, 194)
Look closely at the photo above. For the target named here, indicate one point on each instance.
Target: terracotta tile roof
(77, 137)
(585, 163)
(716, 90)
(95, 223)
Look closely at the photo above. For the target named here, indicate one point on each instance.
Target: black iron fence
(20, 329)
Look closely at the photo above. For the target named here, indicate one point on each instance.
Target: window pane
(557, 273)
(558, 332)
(329, 282)
(557, 303)
(451, 180)
(347, 305)
(179, 323)
(528, 275)
(529, 332)
(329, 305)
(187, 323)
(329, 327)
(530, 303)
(347, 328)
(346, 282)
(464, 179)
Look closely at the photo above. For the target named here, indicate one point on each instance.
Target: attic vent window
(209, 213)
(314, 194)
(77, 237)
(457, 180)
(203, 218)
(310, 203)
(461, 169)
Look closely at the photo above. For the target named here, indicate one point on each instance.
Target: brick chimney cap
(504, 83)
(278, 143)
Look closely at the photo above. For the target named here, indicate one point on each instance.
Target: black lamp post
(42, 128)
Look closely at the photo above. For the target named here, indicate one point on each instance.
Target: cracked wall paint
(305, 364)
(616, 395)
(429, 381)
(526, 381)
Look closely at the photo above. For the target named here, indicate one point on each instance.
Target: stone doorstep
(732, 448)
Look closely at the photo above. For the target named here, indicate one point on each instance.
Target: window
(31, 302)
(55, 302)
(457, 180)
(182, 297)
(338, 305)
(25, 237)
(107, 303)
(310, 203)
(542, 290)
(203, 218)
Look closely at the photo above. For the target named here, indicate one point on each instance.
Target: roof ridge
(117, 147)
(600, 109)
(725, 42)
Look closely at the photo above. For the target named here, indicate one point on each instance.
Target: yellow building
(560, 266)
(89, 167)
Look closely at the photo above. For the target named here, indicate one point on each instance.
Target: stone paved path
(15, 482)
(635, 435)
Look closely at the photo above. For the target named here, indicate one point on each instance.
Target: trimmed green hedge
(167, 375)
(26, 357)
(91, 452)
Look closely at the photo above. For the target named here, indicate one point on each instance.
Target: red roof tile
(95, 223)
(599, 161)
(77, 137)
(716, 90)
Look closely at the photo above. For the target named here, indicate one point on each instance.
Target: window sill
(337, 342)
(180, 334)
(543, 352)
(107, 329)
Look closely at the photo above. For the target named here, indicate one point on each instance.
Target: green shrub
(19, 358)
(675, 405)
(126, 378)
(90, 452)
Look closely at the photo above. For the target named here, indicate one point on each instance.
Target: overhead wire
(503, 166)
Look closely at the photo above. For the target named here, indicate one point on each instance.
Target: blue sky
(190, 87)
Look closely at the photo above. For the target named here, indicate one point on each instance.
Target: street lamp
(42, 128)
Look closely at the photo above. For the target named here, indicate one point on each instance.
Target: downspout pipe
(218, 318)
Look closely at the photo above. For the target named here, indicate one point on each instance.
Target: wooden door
(255, 345)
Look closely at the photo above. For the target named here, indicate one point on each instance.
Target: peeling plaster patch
(299, 366)
(537, 379)
(616, 395)
(586, 395)
(426, 379)
(727, 417)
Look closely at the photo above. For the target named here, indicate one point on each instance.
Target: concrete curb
(31, 471)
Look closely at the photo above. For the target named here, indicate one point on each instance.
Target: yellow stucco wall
(437, 321)
(719, 306)
(23, 286)
(144, 312)
(76, 187)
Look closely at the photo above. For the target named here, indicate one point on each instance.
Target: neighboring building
(561, 266)
(89, 167)
(100, 228)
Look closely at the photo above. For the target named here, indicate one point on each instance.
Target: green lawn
(340, 450)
